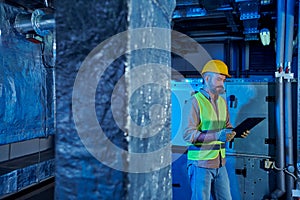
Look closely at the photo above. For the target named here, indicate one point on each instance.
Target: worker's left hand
(245, 134)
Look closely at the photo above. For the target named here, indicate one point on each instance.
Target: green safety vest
(209, 121)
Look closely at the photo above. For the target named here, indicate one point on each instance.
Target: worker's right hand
(225, 135)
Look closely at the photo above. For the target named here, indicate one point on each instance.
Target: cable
(277, 168)
(43, 56)
(285, 170)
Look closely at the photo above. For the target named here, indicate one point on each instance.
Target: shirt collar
(205, 93)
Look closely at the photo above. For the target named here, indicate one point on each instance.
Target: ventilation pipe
(280, 178)
(289, 159)
(38, 21)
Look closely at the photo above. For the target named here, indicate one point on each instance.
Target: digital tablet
(247, 124)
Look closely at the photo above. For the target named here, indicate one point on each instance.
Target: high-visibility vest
(209, 121)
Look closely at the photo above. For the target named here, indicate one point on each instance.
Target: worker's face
(215, 83)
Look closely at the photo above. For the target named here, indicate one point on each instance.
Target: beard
(218, 90)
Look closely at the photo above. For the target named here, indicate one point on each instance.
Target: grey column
(148, 77)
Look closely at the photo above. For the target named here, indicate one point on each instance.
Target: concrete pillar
(149, 101)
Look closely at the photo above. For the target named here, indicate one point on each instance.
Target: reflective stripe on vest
(206, 151)
(209, 121)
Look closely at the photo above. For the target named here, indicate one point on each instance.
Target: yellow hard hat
(216, 66)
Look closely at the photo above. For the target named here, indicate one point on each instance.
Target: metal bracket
(279, 74)
(288, 76)
(295, 193)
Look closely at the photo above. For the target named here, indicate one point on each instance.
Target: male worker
(206, 127)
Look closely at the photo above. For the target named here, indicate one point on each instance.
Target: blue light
(189, 12)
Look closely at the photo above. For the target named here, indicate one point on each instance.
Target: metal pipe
(280, 34)
(289, 158)
(23, 23)
(217, 38)
(289, 34)
(246, 64)
(280, 176)
(46, 3)
(38, 21)
(298, 111)
(46, 22)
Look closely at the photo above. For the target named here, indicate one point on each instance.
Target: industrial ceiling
(227, 18)
(207, 19)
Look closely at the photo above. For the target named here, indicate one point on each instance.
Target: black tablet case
(247, 124)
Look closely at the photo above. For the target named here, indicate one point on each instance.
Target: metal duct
(38, 21)
(280, 179)
(79, 175)
(289, 158)
(26, 100)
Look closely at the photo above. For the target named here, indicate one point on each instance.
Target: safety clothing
(209, 121)
(216, 66)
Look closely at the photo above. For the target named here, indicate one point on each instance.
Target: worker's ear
(207, 77)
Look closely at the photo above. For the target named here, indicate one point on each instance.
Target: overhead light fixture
(186, 12)
(265, 36)
(265, 2)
